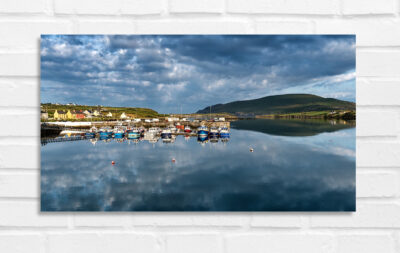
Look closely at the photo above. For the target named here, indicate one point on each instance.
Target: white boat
(173, 129)
(154, 130)
(214, 132)
(166, 133)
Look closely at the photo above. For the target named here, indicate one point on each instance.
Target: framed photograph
(198, 123)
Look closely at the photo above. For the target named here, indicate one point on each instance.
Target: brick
(380, 184)
(19, 64)
(315, 7)
(283, 27)
(378, 154)
(28, 92)
(276, 220)
(22, 6)
(365, 243)
(10, 156)
(19, 185)
(101, 220)
(143, 7)
(17, 125)
(27, 214)
(368, 215)
(176, 219)
(91, 7)
(376, 123)
(378, 92)
(26, 34)
(192, 27)
(364, 7)
(22, 243)
(279, 243)
(378, 63)
(106, 27)
(104, 242)
(373, 32)
(193, 243)
(200, 6)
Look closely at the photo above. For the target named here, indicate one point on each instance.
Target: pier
(44, 141)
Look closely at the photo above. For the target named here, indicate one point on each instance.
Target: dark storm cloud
(165, 72)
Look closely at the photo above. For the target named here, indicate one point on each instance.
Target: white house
(147, 120)
(137, 120)
(109, 114)
(156, 120)
(123, 116)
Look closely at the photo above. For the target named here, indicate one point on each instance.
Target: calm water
(295, 166)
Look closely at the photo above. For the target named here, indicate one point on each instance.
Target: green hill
(280, 104)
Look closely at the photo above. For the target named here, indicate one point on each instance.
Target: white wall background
(375, 227)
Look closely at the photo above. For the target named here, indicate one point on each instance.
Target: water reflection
(293, 127)
(315, 173)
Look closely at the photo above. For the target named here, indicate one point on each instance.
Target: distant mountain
(279, 104)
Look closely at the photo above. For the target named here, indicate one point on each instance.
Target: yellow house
(60, 115)
(70, 115)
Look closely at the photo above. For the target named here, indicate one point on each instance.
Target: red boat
(187, 129)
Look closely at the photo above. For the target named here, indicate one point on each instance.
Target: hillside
(279, 104)
(116, 111)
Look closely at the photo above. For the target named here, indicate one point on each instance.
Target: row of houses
(80, 114)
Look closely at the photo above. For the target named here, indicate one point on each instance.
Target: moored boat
(92, 132)
(224, 132)
(166, 133)
(134, 133)
(202, 130)
(154, 130)
(118, 132)
(214, 132)
(188, 129)
(105, 131)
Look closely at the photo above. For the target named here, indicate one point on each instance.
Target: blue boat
(119, 135)
(202, 138)
(105, 131)
(202, 130)
(118, 132)
(90, 135)
(224, 132)
(134, 133)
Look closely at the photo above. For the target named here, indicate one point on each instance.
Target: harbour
(269, 159)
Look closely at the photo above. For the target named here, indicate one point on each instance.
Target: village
(95, 115)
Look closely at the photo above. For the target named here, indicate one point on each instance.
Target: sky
(174, 73)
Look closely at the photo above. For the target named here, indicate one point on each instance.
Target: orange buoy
(173, 160)
(112, 162)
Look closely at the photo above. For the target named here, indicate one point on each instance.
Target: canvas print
(197, 123)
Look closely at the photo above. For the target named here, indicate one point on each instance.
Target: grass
(134, 112)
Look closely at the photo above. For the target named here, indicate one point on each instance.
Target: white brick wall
(375, 227)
